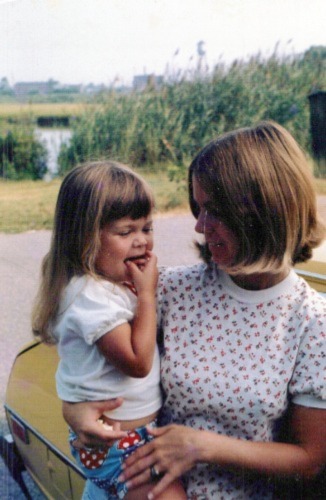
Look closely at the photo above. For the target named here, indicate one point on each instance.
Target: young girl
(97, 302)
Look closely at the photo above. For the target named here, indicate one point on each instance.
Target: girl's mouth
(135, 258)
(139, 260)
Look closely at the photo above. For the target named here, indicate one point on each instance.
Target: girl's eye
(124, 233)
(148, 230)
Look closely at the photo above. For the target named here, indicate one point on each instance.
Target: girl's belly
(127, 425)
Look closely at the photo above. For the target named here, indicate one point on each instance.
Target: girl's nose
(140, 241)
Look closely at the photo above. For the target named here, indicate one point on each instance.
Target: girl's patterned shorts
(103, 465)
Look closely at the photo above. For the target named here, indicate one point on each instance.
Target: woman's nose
(200, 224)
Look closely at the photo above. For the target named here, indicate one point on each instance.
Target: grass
(14, 110)
(29, 205)
(320, 186)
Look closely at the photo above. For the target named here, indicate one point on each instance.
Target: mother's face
(221, 240)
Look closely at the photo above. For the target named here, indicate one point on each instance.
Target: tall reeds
(169, 124)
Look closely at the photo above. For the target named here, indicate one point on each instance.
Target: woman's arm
(130, 347)
(177, 449)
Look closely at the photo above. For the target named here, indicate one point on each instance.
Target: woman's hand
(85, 419)
(174, 451)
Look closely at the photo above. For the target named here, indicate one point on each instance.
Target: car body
(38, 432)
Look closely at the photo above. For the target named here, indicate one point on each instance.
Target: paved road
(20, 258)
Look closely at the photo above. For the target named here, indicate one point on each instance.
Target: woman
(244, 336)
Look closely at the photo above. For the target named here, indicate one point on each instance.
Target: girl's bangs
(136, 204)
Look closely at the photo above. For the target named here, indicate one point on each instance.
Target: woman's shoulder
(182, 271)
(310, 297)
(192, 275)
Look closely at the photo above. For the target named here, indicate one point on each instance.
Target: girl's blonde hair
(261, 185)
(90, 196)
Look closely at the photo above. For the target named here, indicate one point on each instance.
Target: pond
(53, 138)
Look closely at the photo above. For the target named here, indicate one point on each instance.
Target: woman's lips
(213, 244)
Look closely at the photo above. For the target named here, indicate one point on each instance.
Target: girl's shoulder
(81, 285)
(86, 288)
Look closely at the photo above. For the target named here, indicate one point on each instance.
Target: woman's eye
(213, 213)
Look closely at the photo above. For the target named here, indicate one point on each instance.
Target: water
(53, 138)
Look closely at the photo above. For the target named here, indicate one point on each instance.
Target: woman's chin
(219, 254)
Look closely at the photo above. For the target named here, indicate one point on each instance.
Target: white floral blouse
(233, 359)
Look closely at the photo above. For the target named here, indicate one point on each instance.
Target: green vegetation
(22, 156)
(171, 123)
(13, 111)
(166, 126)
(320, 186)
(29, 205)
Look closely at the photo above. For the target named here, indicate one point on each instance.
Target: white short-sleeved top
(89, 309)
(234, 358)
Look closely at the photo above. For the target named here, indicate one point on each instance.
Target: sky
(106, 41)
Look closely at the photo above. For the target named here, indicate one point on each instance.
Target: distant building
(90, 88)
(141, 82)
(24, 89)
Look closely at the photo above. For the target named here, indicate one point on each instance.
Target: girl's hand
(174, 451)
(85, 419)
(144, 277)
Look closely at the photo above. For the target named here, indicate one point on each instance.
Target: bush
(22, 156)
(172, 123)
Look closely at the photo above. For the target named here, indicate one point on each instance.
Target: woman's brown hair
(261, 184)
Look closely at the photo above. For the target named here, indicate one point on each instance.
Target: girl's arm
(84, 419)
(130, 347)
(177, 449)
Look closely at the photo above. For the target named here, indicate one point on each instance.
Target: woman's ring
(155, 474)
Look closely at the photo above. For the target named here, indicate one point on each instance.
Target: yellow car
(38, 431)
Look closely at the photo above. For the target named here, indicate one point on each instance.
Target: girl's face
(122, 240)
(221, 241)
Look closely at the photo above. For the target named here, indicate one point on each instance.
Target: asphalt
(20, 260)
